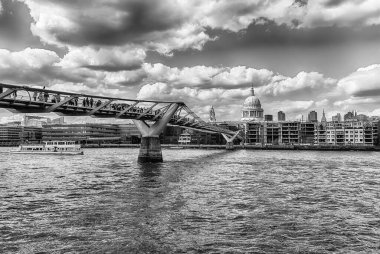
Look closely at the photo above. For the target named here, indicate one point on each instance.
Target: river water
(197, 201)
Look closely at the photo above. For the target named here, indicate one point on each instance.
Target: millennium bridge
(149, 116)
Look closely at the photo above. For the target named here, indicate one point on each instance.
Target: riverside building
(349, 133)
(12, 135)
(355, 131)
(84, 133)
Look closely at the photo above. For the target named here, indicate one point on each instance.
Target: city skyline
(300, 55)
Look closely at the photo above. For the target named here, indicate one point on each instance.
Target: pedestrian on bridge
(41, 96)
(35, 94)
(46, 96)
(91, 102)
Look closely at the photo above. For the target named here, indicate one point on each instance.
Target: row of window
(48, 149)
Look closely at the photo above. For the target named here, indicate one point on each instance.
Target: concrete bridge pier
(230, 140)
(150, 148)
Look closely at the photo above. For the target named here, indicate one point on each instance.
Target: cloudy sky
(300, 55)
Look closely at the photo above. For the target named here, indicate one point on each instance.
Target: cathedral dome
(252, 102)
(252, 110)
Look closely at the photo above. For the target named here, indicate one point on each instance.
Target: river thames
(197, 201)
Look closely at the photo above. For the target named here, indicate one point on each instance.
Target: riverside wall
(248, 147)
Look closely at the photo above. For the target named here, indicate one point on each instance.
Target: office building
(281, 116)
(268, 118)
(312, 117)
(12, 135)
(84, 133)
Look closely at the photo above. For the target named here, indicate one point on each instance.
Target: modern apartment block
(289, 132)
(279, 133)
(355, 133)
(271, 133)
(254, 133)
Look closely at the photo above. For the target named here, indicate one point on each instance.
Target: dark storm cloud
(113, 68)
(300, 2)
(368, 93)
(15, 34)
(334, 3)
(267, 32)
(137, 19)
(264, 44)
(14, 26)
(65, 75)
(40, 76)
(22, 76)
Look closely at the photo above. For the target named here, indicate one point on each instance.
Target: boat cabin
(59, 143)
(52, 146)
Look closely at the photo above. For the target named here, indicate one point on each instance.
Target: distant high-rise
(323, 119)
(337, 118)
(312, 117)
(268, 118)
(281, 116)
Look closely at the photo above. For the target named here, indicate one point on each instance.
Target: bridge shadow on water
(162, 195)
(151, 171)
(174, 169)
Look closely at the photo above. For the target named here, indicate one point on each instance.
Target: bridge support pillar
(150, 147)
(150, 150)
(230, 140)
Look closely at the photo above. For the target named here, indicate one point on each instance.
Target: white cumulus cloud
(342, 13)
(113, 58)
(28, 58)
(363, 82)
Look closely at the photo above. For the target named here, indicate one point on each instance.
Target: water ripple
(198, 201)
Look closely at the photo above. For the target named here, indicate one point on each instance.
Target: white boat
(50, 147)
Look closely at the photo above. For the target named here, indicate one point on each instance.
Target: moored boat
(50, 147)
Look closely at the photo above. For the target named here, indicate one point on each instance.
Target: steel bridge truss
(25, 99)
